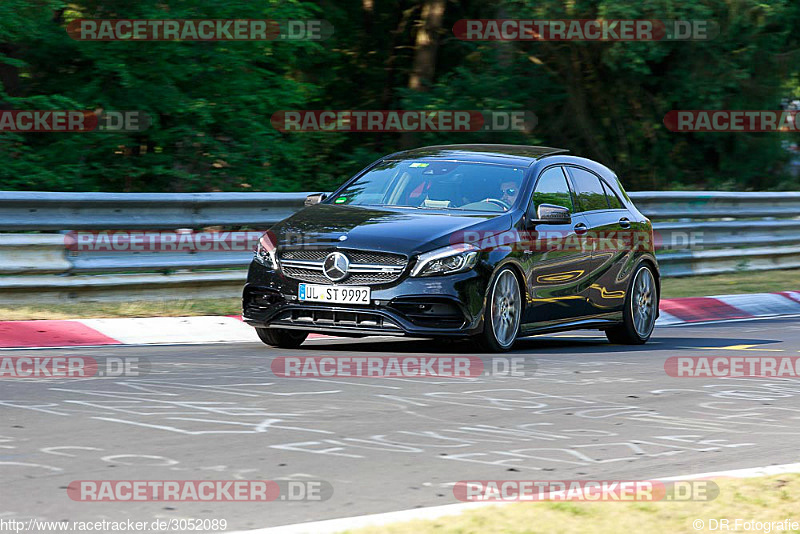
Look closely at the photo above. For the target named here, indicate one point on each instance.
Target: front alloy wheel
(503, 312)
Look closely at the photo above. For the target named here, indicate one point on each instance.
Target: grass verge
(730, 283)
(766, 499)
(718, 284)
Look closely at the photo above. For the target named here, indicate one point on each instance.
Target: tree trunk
(426, 45)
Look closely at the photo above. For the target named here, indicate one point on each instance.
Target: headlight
(265, 253)
(447, 260)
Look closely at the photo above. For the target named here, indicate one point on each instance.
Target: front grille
(305, 254)
(366, 267)
(382, 258)
(356, 256)
(305, 275)
(316, 277)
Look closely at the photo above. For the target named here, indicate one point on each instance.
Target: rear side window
(589, 189)
(622, 189)
(552, 188)
(614, 202)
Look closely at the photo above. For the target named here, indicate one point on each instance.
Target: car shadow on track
(565, 343)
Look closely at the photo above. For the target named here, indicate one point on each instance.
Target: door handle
(581, 228)
(625, 222)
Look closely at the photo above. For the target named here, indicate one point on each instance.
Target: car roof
(504, 154)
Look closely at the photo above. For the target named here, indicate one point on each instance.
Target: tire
(283, 339)
(503, 313)
(641, 309)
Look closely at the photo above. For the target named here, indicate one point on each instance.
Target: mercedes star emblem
(336, 266)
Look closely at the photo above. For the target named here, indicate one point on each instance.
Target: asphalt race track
(584, 409)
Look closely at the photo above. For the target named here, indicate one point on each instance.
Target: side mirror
(316, 198)
(550, 213)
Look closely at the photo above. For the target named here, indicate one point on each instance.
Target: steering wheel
(499, 202)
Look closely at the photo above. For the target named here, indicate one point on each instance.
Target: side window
(621, 189)
(552, 188)
(591, 195)
(613, 200)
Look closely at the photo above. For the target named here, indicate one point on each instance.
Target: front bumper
(431, 306)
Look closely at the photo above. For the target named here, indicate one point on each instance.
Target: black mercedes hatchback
(491, 242)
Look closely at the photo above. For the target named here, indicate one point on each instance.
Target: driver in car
(510, 191)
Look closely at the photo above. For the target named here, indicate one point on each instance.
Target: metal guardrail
(40, 211)
(719, 232)
(661, 205)
(697, 233)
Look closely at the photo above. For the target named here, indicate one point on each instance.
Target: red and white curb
(333, 526)
(126, 331)
(728, 307)
(221, 329)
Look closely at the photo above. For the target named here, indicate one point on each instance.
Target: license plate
(335, 294)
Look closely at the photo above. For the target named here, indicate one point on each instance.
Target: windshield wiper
(428, 208)
(425, 208)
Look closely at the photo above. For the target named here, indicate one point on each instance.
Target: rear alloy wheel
(284, 339)
(503, 313)
(641, 308)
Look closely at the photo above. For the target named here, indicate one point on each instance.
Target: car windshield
(440, 185)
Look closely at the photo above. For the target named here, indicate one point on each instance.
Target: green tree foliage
(211, 102)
